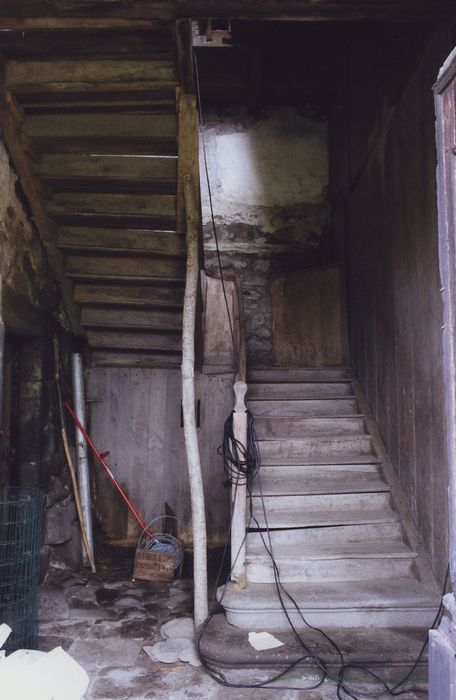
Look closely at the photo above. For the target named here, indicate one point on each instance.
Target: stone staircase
(344, 542)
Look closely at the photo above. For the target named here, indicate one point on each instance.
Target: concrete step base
(401, 602)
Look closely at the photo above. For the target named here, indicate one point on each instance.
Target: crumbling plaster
(268, 176)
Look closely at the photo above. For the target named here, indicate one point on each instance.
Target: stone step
(342, 445)
(302, 407)
(286, 480)
(296, 426)
(316, 460)
(360, 561)
(391, 648)
(308, 538)
(297, 374)
(322, 510)
(301, 390)
(399, 601)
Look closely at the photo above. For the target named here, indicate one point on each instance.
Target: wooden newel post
(239, 490)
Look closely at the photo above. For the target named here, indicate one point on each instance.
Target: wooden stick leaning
(69, 459)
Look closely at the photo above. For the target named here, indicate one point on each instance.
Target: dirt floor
(105, 620)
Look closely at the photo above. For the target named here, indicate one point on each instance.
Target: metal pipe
(82, 456)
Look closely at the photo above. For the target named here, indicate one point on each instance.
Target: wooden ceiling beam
(90, 14)
(11, 120)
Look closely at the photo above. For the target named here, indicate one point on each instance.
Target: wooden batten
(109, 293)
(101, 317)
(130, 340)
(125, 242)
(91, 71)
(92, 166)
(121, 266)
(19, 14)
(116, 124)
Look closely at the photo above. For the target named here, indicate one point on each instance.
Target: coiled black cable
(241, 463)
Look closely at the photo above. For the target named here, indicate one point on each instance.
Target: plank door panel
(308, 318)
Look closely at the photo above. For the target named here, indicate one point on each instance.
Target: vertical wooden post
(188, 407)
(239, 490)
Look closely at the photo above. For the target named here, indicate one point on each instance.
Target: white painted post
(82, 455)
(239, 491)
(188, 410)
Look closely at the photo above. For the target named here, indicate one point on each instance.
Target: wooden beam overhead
(11, 122)
(61, 14)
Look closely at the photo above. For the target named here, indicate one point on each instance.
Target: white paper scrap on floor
(26, 674)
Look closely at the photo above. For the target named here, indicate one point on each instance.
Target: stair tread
(326, 459)
(302, 485)
(365, 549)
(292, 519)
(405, 592)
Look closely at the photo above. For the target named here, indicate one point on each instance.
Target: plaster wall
(268, 176)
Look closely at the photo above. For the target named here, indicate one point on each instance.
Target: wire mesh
(21, 516)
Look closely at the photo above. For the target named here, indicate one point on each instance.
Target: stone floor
(105, 620)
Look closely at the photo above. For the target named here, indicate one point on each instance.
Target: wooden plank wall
(136, 414)
(309, 318)
(394, 302)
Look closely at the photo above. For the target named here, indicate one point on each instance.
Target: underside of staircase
(343, 539)
(91, 120)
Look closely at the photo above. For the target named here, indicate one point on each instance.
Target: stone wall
(268, 175)
(23, 264)
(30, 450)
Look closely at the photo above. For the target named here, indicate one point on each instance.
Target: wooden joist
(133, 340)
(127, 242)
(102, 317)
(153, 360)
(98, 145)
(95, 71)
(119, 221)
(134, 186)
(75, 165)
(128, 96)
(83, 266)
(101, 203)
(108, 43)
(104, 124)
(151, 296)
(25, 14)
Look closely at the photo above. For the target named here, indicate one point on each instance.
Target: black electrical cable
(241, 465)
